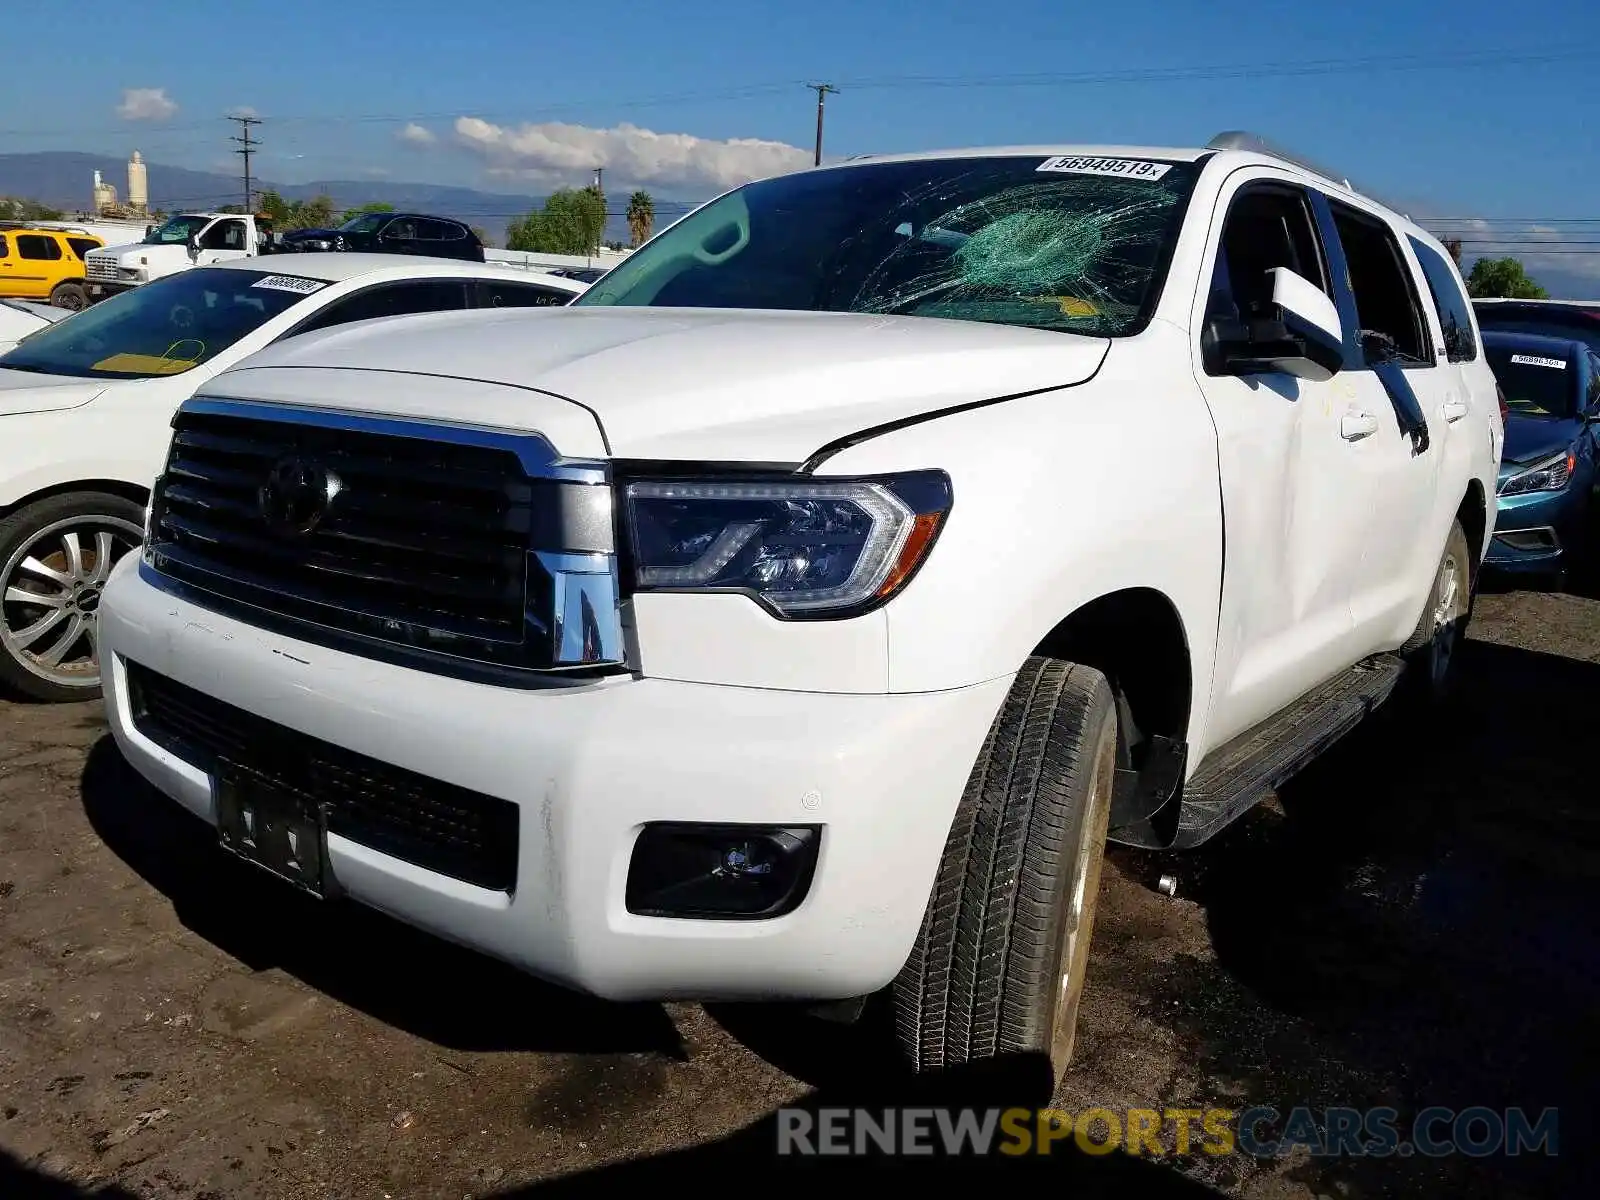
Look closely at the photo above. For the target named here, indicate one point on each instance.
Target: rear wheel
(1432, 646)
(55, 557)
(998, 967)
(71, 296)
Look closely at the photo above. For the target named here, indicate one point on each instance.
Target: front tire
(55, 557)
(998, 967)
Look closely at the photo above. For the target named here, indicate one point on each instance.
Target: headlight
(805, 548)
(1547, 475)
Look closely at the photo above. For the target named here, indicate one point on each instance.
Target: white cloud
(146, 104)
(417, 135)
(243, 110)
(557, 152)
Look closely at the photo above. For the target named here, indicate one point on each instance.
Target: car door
(223, 240)
(399, 237)
(1393, 384)
(10, 265)
(38, 265)
(1293, 522)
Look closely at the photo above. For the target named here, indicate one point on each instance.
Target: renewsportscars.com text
(1259, 1132)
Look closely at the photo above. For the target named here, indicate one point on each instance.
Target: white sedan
(85, 407)
(19, 318)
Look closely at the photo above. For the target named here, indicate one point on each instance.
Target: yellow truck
(45, 264)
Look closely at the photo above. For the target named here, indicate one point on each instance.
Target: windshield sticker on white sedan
(1536, 360)
(290, 283)
(1127, 168)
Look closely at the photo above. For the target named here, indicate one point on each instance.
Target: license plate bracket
(274, 829)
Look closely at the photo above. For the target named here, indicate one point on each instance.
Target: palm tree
(641, 217)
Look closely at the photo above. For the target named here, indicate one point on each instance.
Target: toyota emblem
(295, 498)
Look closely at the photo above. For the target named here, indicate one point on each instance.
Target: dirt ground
(1414, 925)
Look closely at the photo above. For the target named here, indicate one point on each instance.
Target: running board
(1236, 777)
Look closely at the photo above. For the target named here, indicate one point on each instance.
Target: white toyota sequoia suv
(799, 613)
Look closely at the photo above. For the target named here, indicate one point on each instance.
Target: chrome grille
(443, 541)
(104, 269)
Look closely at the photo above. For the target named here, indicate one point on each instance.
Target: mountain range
(64, 179)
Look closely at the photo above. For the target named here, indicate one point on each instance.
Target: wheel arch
(113, 487)
(1136, 638)
(1473, 513)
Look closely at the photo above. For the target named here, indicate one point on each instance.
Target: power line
(1487, 58)
(249, 148)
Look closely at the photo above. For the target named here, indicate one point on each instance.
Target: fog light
(721, 871)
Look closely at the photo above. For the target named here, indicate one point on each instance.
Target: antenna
(1239, 139)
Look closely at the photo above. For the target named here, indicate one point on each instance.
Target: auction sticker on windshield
(1080, 164)
(1538, 360)
(290, 283)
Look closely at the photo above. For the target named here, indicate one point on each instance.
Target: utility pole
(822, 90)
(248, 146)
(599, 180)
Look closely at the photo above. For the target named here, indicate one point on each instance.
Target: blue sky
(1504, 130)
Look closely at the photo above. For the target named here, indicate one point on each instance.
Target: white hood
(25, 392)
(705, 384)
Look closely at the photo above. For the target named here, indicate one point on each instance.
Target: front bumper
(100, 289)
(1537, 533)
(587, 767)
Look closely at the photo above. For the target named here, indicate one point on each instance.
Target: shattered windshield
(1075, 243)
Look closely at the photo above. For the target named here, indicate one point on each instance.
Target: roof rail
(1239, 139)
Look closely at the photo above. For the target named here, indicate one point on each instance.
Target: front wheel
(1431, 649)
(55, 557)
(998, 967)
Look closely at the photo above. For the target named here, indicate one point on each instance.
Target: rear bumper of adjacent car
(587, 767)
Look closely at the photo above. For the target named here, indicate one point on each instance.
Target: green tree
(316, 213)
(377, 206)
(13, 208)
(641, 217)
(571, 222)
(1503, 277)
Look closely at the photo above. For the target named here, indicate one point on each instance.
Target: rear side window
(1455, 317)
(1387, 307)
(36, 246)
(5, 247)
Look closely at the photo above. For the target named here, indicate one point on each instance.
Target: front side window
(164, 327)
(1069, 243)
(1455, 317)
(38, 247)
(82, 246)
(392, 300)
(224, 235)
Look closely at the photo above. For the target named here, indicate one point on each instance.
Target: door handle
(1454, 410)
(1354, 426)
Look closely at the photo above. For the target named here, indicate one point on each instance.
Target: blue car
(1551, 389)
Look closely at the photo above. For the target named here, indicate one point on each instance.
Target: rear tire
(1430, 650)
(71, 296)
(998, 967)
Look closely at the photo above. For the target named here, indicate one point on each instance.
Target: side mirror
(1303, 337)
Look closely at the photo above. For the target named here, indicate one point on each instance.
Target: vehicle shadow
(752, 1155)
(23, 1182)
(1416, 927)
(404, 977)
